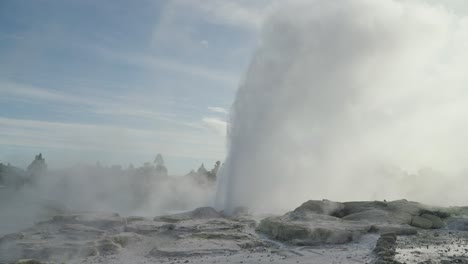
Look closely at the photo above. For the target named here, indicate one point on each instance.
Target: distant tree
(214, 172)
(2, 169)
(37, 167)
(159, 160)
(202, 170)
(161, 170)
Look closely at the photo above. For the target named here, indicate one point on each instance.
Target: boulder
(282, 230)
(125, 238)
(421, 222)
(320, 207)
(437, 223)
(108, 247)
(385, 248)
(205, 213)
(357, 207)
(28, 261)
(312, 232)
(404, 206)
(372, 215)
(199, 213)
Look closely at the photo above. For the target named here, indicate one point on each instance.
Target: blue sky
(120, 81)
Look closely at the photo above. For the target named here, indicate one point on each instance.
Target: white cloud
(176, 135)
(22, 91)
(216, 124)
(216, 109)
(116, 106)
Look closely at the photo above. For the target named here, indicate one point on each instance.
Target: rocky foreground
(315, 232)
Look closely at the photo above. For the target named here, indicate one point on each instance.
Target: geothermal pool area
(344, 143)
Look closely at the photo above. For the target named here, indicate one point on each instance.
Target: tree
(159, 160)
(202, 170)
(214, 172)
(161, 170)
(37, 167)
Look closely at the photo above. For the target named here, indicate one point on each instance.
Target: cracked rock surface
(315, 232)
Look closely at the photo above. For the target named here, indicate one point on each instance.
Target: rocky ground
(315, 232)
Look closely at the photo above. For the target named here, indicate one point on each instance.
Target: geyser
(347, 100)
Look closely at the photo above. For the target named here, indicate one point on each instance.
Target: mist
(39, 193)
(351, 100)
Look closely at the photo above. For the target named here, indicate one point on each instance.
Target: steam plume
(359, 99)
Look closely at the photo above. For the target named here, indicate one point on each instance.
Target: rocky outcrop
(331, 222)
(199, 213)
(385, 249)
(313, 223)
(83, 236)
(325, 207)
(421, 222)
(436, 221)
(28, 261)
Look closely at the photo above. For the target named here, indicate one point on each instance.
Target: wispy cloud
(108, 139)
(216, 124)
(23, 91)
(248, 14)
(216, 109)
(108, 105)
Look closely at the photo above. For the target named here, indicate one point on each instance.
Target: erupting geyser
(359, 99)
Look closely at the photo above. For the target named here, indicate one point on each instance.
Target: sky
(120, 81)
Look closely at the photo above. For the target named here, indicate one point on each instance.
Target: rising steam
(346, 100)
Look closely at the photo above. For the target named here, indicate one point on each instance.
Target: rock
(320, 207)
(205, 213)
(315, 232)
(282, 230)
(380, 216)
(125, 238)
(78, 231)
(28, 261)
(135, 218)
(372, 215)
(404, 206)
(400, 230)
(240, 211)
(108, 247)
(11, 237)
(147, 228)
(437, 223)
(156, 252)
(457, 223)
(385, 248)
(357, 207)
(199, 213)
(65, 218)
(421, 222)
(221, 236)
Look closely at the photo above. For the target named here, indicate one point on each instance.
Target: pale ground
(90, 238)
(205, 236)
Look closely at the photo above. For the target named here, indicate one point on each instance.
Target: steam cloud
(144, 191)
(351, 100)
